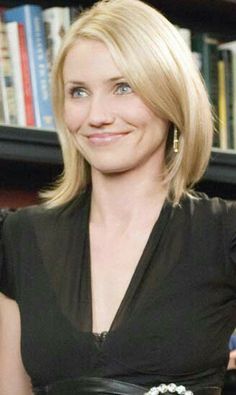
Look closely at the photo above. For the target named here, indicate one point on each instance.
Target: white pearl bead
(163, 388)
(173, 388)
(181, 389)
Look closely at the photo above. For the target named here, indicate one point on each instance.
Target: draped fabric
(175, 319)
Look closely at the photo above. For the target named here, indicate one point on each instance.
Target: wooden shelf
(30, 159)
(222, 167)
(206, 15)
(29, 145)
(33, 149)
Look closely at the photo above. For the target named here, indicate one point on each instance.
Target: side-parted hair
(151, 54)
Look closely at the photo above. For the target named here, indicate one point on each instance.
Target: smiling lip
(105, 138)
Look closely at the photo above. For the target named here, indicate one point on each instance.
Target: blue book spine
(31, 17)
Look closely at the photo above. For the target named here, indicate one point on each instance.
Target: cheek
(137, 112)
(73, 117)
(135, 115)
(148, 120)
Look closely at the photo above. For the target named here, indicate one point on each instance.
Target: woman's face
(112, 127)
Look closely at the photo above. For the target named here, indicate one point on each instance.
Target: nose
(100, 111)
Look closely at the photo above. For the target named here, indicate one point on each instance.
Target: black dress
(175, 320)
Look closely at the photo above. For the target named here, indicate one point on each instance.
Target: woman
(123, 281)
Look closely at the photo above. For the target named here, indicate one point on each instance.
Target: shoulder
(39, 216)
(211, 216)
(37, 232)
(215, 207)
(28, 223)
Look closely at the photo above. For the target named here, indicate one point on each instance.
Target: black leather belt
(95, 385)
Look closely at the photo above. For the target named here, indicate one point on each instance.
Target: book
(75, 12)
(14, 47)
(232, 46)
(56, 23)
(25, 69)
(222, 104)
(186, 35)
(32, 19)
(226, 56)
(2, 117)
(205, 53)
(8, 102)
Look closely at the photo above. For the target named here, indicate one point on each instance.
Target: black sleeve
(231, 242)
(6, 276)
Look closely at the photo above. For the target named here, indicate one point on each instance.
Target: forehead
(89, 58)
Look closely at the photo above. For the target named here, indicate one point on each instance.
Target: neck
(119, 199)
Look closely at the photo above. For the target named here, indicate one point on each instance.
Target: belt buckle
(171, 388)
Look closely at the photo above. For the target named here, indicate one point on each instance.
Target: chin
(111, 170)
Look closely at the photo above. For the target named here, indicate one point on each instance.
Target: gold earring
(176, 140)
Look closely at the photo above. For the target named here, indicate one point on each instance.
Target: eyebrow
(77, 82)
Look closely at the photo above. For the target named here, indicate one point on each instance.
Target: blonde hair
(153, 57)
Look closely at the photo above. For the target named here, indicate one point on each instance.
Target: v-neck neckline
(151, 245)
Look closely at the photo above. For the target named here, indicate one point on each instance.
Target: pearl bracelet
(172, 388)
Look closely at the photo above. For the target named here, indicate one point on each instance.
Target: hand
(232, 360)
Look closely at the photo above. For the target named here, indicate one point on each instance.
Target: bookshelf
(29, 145)
(31, 158)
(220, 177)
(218, 15)
(41, 148)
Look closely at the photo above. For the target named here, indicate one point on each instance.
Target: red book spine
(28, 93)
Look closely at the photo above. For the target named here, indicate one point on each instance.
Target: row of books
(217, 62)
(29, 41)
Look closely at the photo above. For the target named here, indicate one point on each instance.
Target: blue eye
(78, 92)
(123, 88)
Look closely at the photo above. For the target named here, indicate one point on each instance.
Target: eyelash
(76, 89)
(120, 85)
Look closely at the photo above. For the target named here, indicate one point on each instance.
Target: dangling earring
(176, 140)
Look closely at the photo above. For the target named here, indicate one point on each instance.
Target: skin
(124, 142)
(232, 360)
(126, 175)
(13, 377)
(98, 100)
